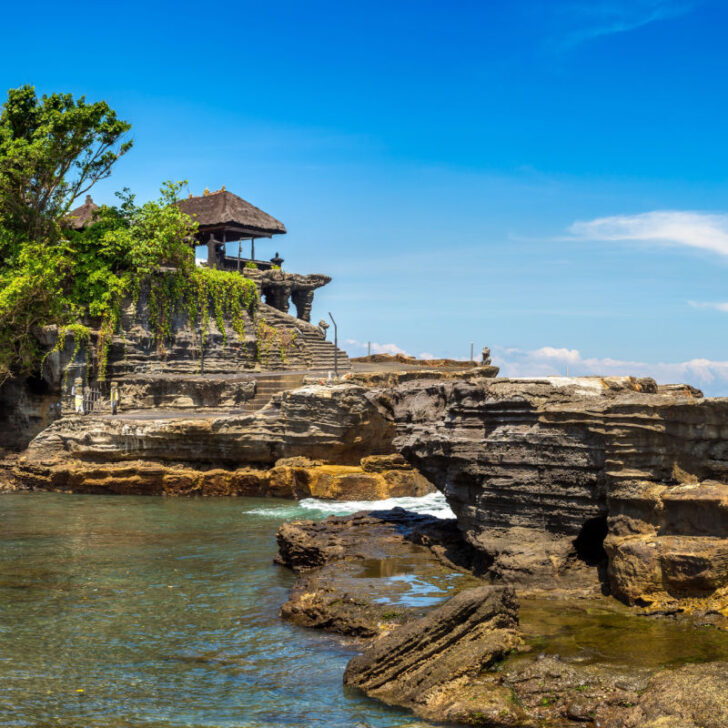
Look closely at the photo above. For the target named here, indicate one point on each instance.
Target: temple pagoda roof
(222, 210)
(81, 216)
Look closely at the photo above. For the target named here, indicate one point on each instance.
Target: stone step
(267, 386)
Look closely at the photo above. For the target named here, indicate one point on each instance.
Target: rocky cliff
(556, 480)
(582, 484)
(190, 367)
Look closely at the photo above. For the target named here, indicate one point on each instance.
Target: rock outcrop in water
(552, 479)
(580, 484)
(429, 665)
(343, 564)
(468, 660)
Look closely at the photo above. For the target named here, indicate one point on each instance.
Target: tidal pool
(148, 611)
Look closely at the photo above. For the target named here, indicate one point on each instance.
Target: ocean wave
(433, 504)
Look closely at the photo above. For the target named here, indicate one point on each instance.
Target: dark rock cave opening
(36, 385)
(589, 543)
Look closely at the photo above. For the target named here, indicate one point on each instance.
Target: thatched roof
(223, 209)
(82, 216)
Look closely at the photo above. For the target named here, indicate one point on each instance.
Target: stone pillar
(278, 295)
(303, 301)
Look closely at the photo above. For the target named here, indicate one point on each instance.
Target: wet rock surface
(427, 664)
(473, 659)
(306, 545)
(363, 575)
(294, 478)
(8, 482)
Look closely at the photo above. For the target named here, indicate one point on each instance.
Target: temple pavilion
(226, 218)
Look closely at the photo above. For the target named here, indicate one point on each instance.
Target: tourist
(114, 397)
(77, 394)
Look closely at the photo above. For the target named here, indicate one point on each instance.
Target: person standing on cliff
(114, 397)
(77, 394)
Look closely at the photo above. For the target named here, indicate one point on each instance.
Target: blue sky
(546, 177)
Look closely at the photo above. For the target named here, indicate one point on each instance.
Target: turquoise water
(144, 611)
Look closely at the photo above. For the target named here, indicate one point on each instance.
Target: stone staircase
(269, 384)
(319, 352)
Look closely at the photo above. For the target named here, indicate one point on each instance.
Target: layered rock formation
(326, 442)
(191, 368)
(432, 665)
(539, 472)
(559, 483)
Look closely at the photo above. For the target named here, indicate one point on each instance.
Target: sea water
(124, 611)
(150, 611)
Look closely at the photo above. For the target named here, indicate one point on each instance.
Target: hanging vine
(81, 338)
(270, 337)
(228, 295)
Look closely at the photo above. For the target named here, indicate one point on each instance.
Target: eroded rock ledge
(316, 441)
(558, 481)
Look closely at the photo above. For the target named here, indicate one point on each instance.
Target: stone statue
(485, 357)
(323, 326)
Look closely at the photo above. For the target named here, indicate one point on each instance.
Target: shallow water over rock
(605, 632)
(146, 611)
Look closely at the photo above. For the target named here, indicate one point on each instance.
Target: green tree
(52, 151)
(84, 275)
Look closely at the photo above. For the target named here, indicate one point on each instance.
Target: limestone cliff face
(191, 368)
(538, 472)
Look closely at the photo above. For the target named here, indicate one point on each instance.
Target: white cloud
(717, 305)
(620, 16)
(361, 347)
(692, 229)
(551, 353)
(427, 355)
(711, 376)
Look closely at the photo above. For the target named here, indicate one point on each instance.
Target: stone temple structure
(190, 371)
(225, 218)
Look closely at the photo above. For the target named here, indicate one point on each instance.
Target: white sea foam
(433, 504)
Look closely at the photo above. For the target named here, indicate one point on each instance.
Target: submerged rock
(306, 545)
(354, 571)
(429, 665)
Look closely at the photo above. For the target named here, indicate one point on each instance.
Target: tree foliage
(53, 149)
(86, 274)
